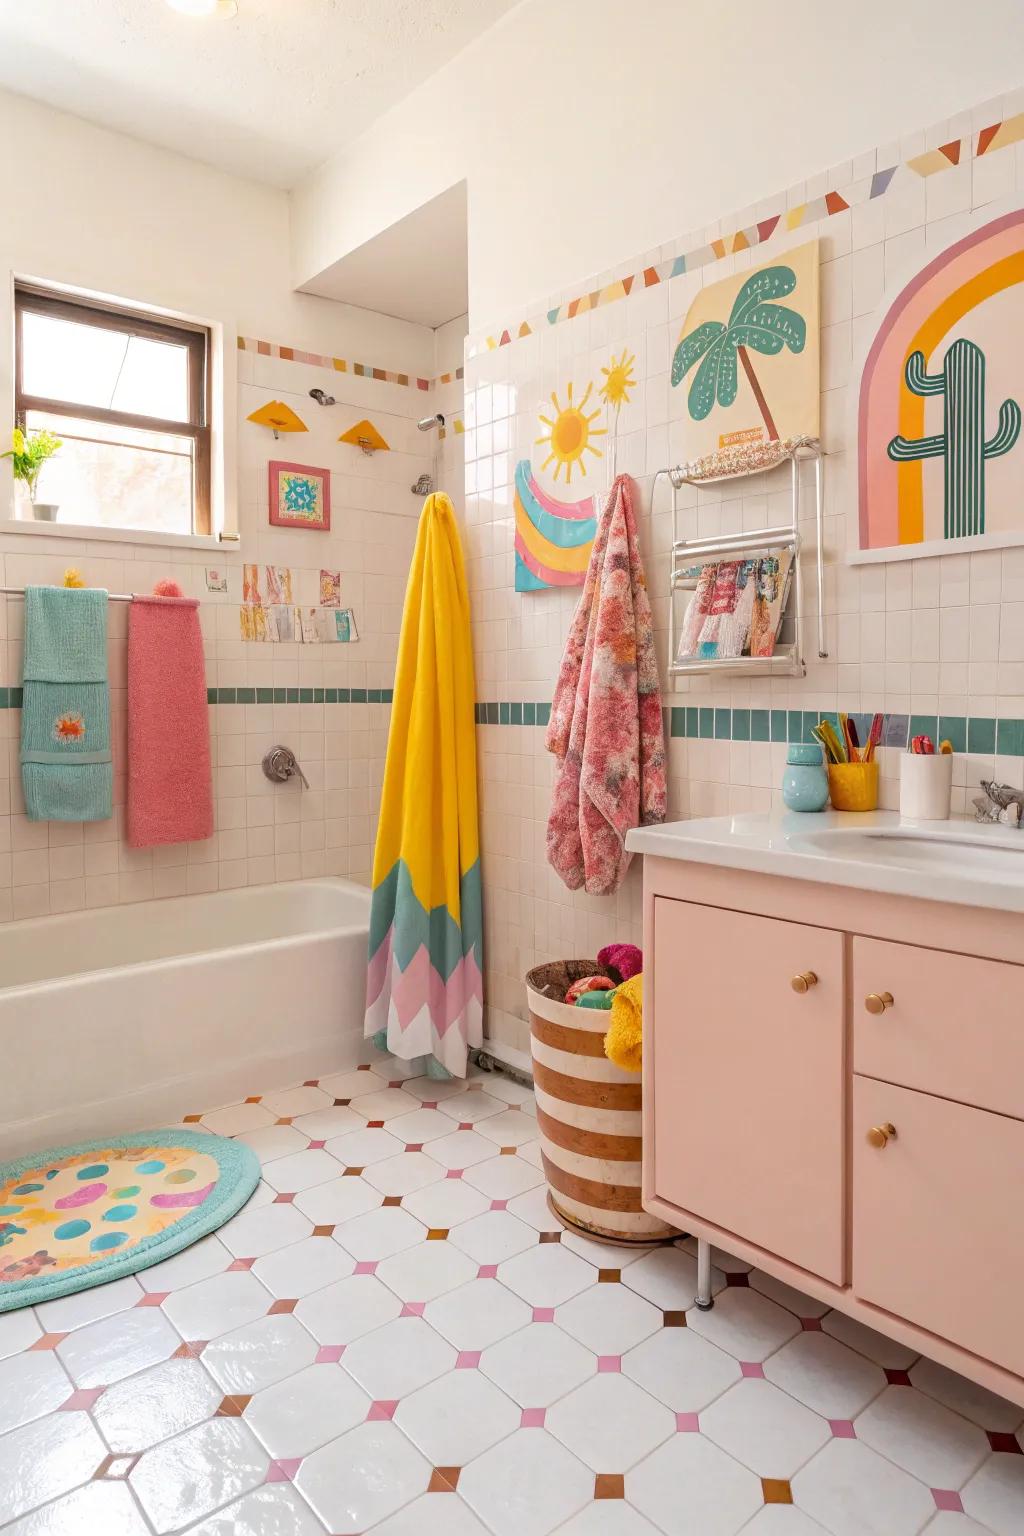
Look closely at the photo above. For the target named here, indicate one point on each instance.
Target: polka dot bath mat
(77, 1216)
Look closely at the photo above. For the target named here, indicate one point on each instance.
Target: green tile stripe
(300, 695)
(982, 734)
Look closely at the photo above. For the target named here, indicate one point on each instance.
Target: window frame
(197, 340)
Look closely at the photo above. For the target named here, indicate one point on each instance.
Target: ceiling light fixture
(223, 8)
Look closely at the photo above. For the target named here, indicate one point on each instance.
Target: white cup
(926, 782)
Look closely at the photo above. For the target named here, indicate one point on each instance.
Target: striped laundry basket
(588, 1112)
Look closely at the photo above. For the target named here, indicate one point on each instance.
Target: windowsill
(92, 532)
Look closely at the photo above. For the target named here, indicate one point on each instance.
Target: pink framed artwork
(300, 496)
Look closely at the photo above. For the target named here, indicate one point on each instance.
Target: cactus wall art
(748, 357)
(938, 411)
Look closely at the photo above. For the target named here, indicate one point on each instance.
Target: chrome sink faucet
(280, 764)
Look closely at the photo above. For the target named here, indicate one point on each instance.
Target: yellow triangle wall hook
(279, 417)
(364, 435)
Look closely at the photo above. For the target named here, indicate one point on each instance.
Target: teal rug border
(239, 1175)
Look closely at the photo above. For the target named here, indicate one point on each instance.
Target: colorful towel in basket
(66, 769)
(605, 726)
(424, 979)
(170, 785)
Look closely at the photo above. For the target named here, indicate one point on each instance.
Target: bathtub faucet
(281, 764)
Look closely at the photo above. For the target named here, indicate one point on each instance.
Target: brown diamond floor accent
(283, 1305)
(776, 1490)
(673, 1319)
(608, 1276)
(737, 1277)
(48, 1341)
(391, 1200)
(284, 1120)
(550, 1237)
(191, 1350)
(254, 1098)
(233, 1407)
(311, 1082)
(999, 1440)
(352, 1173)
(507, 1151)
(444, 1480)
(191, 1119)
(609, 1485)
(323, 1231)
(342, 1103)
(437, 1234)
(375, 1125)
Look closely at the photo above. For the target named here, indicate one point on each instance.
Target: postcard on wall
(748, 361)
(307, 625)
(284, 619)
(345, 623)
(330, 589)
(251, 584)
(216, 579)
(279, 585)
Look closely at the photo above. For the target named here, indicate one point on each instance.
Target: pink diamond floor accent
(316, 1145)
(455, 1173)
(752, 1368)
(242, 1264)
(948, 1498)
(842, 1429)
(487, 1272)
(811, 1324)
(413, 1309)
(153, 1299)
(83, 1398)
(609, 1364)
(687, 1424)
(543, 1314)
(499, 1205)
(283, 1471)
(533, 1418)
(468, 1360)
(366, 1267)
(284, 1199)
(384, 1409)
(329, 1354)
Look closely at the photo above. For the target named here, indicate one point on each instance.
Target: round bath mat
(76, 1216)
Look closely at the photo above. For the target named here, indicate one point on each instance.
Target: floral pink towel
(605, 726)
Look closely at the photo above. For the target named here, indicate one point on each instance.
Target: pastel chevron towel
(66, 770)
(170, 785)
(605, 726)
(424, 982)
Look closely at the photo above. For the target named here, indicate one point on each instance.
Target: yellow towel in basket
(623, 1044)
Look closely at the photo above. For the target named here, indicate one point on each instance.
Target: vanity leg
(703, 1299)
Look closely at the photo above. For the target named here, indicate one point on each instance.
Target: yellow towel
(623, 1044)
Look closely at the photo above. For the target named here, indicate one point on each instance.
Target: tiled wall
(935, 643)
(327, 702)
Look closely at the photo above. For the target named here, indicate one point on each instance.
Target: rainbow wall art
(938, 418)
(553, 538)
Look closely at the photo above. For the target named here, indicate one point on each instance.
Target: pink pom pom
(167, 589)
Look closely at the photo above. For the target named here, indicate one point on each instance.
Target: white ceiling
(269, 95)
(417, 269)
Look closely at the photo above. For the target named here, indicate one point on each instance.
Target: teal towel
(66, 769)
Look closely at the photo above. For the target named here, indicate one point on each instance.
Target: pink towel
(605, 726)
(170, 787)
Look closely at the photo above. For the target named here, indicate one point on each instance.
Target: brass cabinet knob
(804, 982)
(878, 1002)
(880, 1135)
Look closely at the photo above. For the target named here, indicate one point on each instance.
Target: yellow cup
(853, 786)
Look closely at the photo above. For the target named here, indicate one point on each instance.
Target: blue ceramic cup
(805, 781)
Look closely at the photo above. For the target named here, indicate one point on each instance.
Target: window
(128, 395)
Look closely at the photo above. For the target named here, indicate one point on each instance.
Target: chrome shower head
(428, 423)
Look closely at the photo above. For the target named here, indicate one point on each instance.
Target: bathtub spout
(280, 764)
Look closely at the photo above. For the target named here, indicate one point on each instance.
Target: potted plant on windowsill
(28, 453)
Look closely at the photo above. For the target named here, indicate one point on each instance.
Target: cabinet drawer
(955, 1025)
(746, 1079)
(937, 1236)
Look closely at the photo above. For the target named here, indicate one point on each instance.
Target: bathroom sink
(995, 851)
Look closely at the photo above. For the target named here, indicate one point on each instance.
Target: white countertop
(966, 862)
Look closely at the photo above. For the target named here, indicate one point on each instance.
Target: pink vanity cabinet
(834, 1091)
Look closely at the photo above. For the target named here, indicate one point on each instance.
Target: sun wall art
(750, 363)
(571, 429)
(300, 496)
(618, 381)
(553, 538)
(939, 457)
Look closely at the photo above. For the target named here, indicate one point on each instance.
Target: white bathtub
(133, 1016)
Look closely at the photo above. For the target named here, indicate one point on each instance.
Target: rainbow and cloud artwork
(554, 538)
(938, 420)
